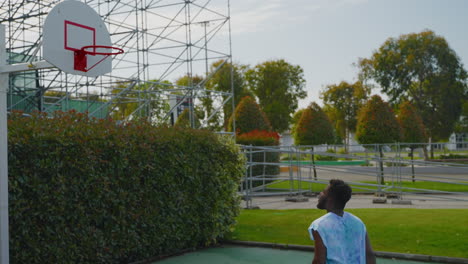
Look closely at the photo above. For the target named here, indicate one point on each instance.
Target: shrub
(453, 156)
(249, 117)
(90, 191)
(262, 138)
(327, 158)
(259, 138)
(343, 151)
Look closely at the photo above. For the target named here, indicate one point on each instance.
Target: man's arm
(320, 252)
(370, 256)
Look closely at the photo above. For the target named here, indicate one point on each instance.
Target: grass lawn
(317, 187)
(439, 232)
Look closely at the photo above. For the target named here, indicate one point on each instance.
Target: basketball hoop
(81, 61)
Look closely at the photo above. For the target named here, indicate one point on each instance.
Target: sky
(325, 37)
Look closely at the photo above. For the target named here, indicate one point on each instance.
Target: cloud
(253, 17)
(249, 16)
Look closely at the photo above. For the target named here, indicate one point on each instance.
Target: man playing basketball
(339, 236)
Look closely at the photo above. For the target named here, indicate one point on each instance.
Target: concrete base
(297, 199)
(252, 208)
(312, 195)
(404, 202)
(393, 196)
(379, 200)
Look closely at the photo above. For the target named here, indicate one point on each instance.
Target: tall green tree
(377, 124)
(342, 102)
(228, 77)
(423, 69)
(412, 129)
(278, 86)
(249, 117)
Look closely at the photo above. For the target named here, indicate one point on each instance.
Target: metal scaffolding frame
(162, 39)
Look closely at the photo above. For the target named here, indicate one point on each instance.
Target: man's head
(335, 196)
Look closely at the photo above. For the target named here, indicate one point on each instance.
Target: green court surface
(254, 255)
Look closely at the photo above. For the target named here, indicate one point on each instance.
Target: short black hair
(340, 192)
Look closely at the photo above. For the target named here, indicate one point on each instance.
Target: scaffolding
(163, 41)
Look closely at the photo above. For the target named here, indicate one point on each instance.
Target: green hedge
(89, 191)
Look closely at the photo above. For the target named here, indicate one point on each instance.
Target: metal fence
(386, 171)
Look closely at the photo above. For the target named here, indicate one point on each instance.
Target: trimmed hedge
(89, 191)
(261, 138)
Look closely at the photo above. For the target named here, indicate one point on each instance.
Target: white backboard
(69, 26)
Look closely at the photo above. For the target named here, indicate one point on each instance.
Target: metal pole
(299, 175)
(264, 169)
(291, 180)
(4, 236)
(205, 24)
(249, 179)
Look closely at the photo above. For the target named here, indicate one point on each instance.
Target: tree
(278, 86)
(337, 122)
(201, 110)
(462, 124)
(342, 102)
(183, 120)
(377, 124)
(313, 128)
(249, 117)
(412, 128)
(226, 75)
(423, 69)
(295, 119)
(142, 101)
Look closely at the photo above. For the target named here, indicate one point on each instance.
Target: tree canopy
(314, 127)
(377, 123)
(183, 120)
(295, 119)
(423, 69)
(462, 124)
(142, 101)
(412, 127)
(249, 117)
(222, 80)
(342, 102)
(203, 105)
(278, 86)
